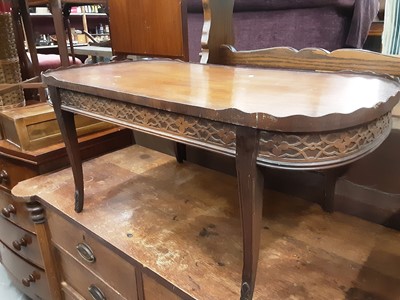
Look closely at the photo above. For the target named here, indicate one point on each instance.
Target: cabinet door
(149, 28)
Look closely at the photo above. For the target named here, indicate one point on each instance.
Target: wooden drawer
(20, 241)
(13, 171)
(118, 273)
(155, 291)
(82, 280)
(15, 211)
(24, 273)
(69, 293)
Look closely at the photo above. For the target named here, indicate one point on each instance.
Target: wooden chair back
(355, 60)
(218, 47)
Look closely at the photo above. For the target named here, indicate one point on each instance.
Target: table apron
(294, 150)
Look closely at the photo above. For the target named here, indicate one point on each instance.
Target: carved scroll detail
(37, 212)
(325, 146)
(279, 150)
(210, 132)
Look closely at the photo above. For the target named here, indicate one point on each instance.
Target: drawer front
(15, 211)
(155, 291)
(100, 260)
(20, 241)
(68, 293)
(12, 172)
(30, 279)
(81, 280)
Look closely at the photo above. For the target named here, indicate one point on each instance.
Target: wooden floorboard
(182, 222)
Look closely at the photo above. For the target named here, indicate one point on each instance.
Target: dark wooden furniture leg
(251, 184)
(56, 11)
(66, 123)
(330, 178)
(180, 152)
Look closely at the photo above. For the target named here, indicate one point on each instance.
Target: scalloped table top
(268, 99)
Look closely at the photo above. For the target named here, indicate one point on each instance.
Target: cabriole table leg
(66, 123)
(251, 184)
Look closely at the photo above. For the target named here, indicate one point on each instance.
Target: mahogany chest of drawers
(20, 246)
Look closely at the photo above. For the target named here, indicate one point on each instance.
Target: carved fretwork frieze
(324, 148)
(196, 129)
(278, 150)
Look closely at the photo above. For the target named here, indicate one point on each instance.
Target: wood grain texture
(313, 59)
(149, 28)
(80, 278)
(154, 291)
(181, 221)
(106, 265)
(50, 264)
(279, 100)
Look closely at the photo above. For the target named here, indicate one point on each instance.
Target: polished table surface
(275, 118)
(265, 99)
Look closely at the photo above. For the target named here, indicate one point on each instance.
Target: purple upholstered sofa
(328, 24)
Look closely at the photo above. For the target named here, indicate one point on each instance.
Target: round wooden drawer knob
(96, 293)
(7, 211)
(31, 278)
(3, 176)
(22, 242)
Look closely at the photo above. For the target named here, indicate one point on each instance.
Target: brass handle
(3, 176)
(86, 252)
(31, 278)
(7, 211)
(96, 293)
(22, 242)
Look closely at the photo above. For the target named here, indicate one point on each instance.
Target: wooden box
(35, 126)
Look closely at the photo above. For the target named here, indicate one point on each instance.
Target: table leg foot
(78, 201)
(245, 292)
(251, 185)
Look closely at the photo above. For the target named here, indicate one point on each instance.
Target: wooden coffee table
(274, 118)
